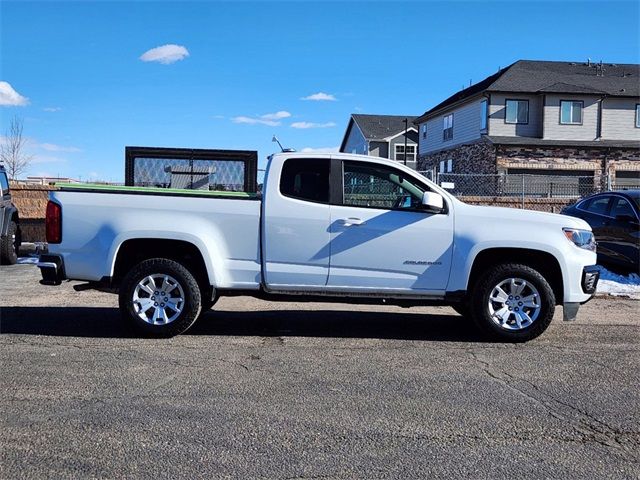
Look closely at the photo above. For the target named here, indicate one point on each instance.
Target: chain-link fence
(540, 186)
(540, 192)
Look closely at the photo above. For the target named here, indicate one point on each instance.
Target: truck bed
(98, 220)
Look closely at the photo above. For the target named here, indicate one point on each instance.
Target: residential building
(558, 118)
(44, 180)
(382, 136)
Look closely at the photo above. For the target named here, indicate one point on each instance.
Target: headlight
(580, 238)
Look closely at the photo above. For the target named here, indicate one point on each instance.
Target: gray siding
(399, 140)
(497, 112)
(356, 142)
(378, 149)
(553, 130)
(466, 127)
(619, 119)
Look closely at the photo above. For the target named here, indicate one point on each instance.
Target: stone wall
(599, 162)
(478, 157)
(485, 157)
(31, 202)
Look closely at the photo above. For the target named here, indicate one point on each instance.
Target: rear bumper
(52, 269)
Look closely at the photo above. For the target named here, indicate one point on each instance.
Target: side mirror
(432, 201)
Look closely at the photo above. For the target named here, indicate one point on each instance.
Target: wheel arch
(132, 251)
(9, 215)
(544, 262)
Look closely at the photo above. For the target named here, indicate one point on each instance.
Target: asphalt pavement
(311, 391)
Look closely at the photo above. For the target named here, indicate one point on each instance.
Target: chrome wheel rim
(514, 304)
(158, 299)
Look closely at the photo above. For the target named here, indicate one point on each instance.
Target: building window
(638, 115)
(571, 112)
(517, 111)
(424, 130)
(483, 115)
(447, 127)
(411, 153)
(446, 166)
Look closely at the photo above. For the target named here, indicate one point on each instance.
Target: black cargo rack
(192, 168)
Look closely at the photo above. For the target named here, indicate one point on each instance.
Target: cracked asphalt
(293, 391)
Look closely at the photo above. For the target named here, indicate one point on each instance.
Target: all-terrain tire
(535, 288)
(9, 245)
(162, 286)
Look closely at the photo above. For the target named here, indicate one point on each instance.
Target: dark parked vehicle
(9, 223)
(615, 220)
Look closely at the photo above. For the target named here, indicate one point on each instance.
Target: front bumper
(589, 284)
(590, 277)
(52, 269)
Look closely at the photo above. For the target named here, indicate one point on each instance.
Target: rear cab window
(306, 179)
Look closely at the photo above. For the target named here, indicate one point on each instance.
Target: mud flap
(570, 311)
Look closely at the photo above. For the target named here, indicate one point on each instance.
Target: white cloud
(320, 97)
(52, 147)
(320, 150)
(276, 116)
(51, 109)
(312, 125)
(165, 54)
(270, 119)
(10, 98)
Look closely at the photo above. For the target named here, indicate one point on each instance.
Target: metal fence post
(523, 192)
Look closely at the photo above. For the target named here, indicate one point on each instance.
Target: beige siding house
(539, 117)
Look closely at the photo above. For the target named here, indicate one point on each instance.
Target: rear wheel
(10, 244)
(160, 297)
(513, 302)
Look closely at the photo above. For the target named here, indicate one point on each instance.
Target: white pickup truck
(328, 227)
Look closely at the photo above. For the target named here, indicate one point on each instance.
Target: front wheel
(160, 297)
(513, 302)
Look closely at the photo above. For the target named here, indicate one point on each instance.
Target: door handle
(352, 221)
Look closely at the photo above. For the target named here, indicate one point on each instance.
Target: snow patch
(23, 260)
(618, 285)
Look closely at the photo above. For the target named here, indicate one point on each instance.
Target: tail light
(54, 222)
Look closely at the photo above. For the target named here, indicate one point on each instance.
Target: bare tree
(12, 150)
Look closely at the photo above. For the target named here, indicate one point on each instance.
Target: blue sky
(86, 93)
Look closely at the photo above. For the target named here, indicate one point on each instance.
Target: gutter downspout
(599, 123)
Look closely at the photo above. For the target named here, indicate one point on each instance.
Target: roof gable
(380, 127)
(533, 76)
